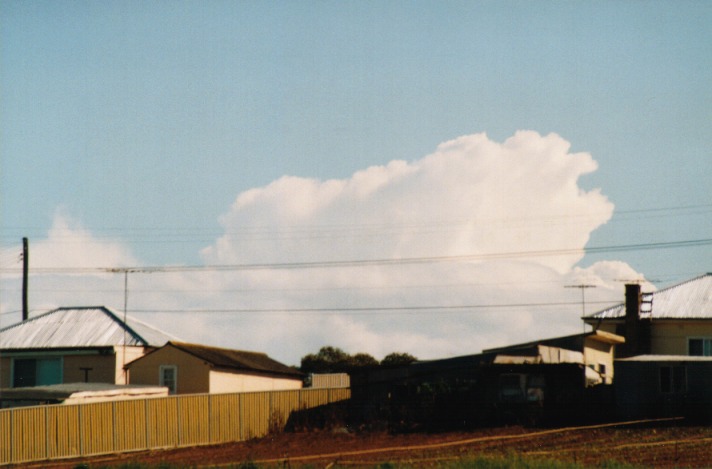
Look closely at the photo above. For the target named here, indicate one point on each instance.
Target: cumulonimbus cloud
(466, 248)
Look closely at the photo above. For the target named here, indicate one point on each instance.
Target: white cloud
(69, 245)
(471, 196)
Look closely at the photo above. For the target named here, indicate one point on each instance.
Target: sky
(433, 178)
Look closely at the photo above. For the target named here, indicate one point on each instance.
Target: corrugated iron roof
(691, 299)
(93, 326)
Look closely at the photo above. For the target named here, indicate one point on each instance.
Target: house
(672, 321)
(71, 345)
(189, 368)
(76, 393)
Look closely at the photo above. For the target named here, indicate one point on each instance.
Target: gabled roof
(691, 299)
(233, 359)
(80, 327)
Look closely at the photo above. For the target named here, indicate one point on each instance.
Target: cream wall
(192, 373)
(126, 355)
(670, 338)
(598, 353)
(222, 382)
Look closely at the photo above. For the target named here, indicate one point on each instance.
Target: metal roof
(232, 359)
(84, 327)
(691, 299)
(665, 358)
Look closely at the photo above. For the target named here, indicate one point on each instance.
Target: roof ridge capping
(179, 343)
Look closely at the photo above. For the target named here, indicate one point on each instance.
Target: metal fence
(68, 431)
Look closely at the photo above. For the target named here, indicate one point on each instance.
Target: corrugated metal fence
(59, 431)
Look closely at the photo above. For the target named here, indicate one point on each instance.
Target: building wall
(639, 393)
(598, 353)
(330, 380)
(126, 355)
(103, 366)
(670, 337)
(192, 373)
(225, 381)
(5, 377)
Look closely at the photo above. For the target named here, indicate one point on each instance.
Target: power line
(163, 234)
(370, 309)
(374, 262)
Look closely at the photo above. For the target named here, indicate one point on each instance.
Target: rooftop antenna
(125, 271)
(582, 287)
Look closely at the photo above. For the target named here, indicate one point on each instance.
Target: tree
(361, 360)
(398, 359)
(327, 360)
(334, 360)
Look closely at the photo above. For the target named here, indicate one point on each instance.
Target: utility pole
(25, 269)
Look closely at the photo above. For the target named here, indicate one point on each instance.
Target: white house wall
(222, 382)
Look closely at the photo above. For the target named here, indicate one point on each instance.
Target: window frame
(706, 346)
(36, 359)
(161, 378)
(676, 380)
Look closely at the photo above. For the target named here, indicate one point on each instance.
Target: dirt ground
(660, 446)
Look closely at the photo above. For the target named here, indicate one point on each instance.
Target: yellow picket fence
(68, 431)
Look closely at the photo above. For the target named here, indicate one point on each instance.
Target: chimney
(637, 331)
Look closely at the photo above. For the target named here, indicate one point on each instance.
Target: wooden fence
(68, 431)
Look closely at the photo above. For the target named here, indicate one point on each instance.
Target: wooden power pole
(25, 269)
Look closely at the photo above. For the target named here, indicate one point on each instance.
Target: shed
(191, 368)
(652, 386)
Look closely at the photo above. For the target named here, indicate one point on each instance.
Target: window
(673, 379)
(36, 371)
(168, 377)
(602, 369)
(700, 347)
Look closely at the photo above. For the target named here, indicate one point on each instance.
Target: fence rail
(68, 431)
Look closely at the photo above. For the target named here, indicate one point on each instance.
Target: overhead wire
(374, 309)
(371, 262)
(163, 234)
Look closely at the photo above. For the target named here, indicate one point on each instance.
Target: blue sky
(141, 123)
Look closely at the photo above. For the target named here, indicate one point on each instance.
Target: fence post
(178, 421)
(114, 440)
(241, 419)
(81, 430)
(12, 435)
(209, 418)
(46, 415)
(147, 423)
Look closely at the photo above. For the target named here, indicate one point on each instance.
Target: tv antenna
(582, 287)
